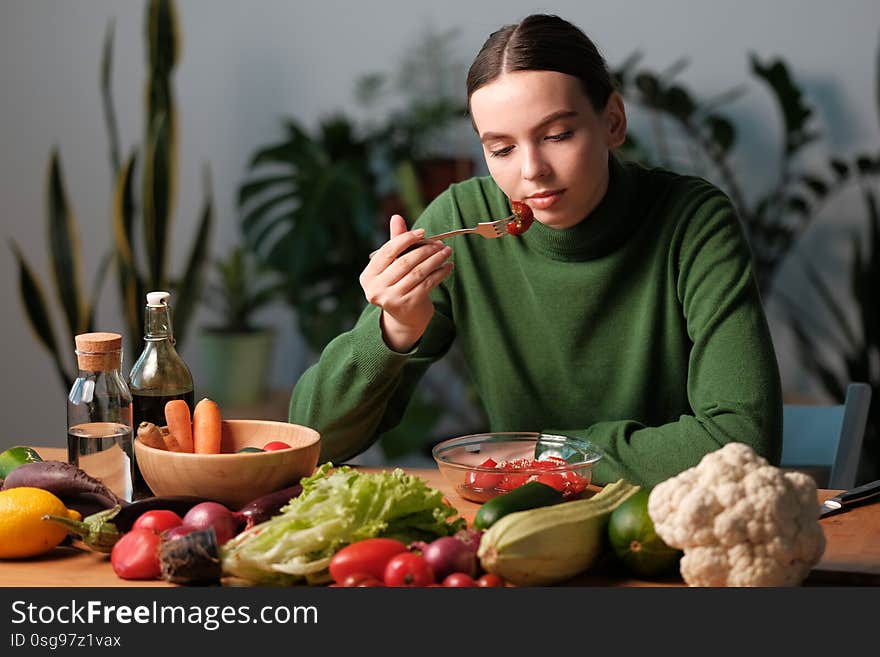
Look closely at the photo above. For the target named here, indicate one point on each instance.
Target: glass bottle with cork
(159, 374)
(99, 414)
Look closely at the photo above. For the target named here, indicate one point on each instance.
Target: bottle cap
(157, 298)
(98, 351)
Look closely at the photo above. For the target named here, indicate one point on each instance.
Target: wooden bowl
(229, 478)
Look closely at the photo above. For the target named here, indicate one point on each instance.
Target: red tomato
(511, 481)
(136, 555)
(367, 557)
(158, 520)
(458, 580)
(408, 569)
(484, 480)
(275, 444)
(360, 580)
(553, 479)
(489, 580)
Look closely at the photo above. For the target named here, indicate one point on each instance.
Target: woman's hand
(400, 284)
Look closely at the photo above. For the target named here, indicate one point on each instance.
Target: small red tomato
(489, 580)
(524, 218)
(136, 555)
(484, 480)
(360, 580)
(367, 557)
(458, 580)
(408, 569)
(275, 445)
(158, 520)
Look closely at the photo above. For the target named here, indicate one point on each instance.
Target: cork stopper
(98, 352)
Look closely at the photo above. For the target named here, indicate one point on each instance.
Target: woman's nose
(533, 164)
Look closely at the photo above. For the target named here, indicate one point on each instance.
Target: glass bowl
(483, 465)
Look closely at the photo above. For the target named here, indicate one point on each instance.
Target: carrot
(171, 443)
(179, 423)
(206, 427)
(150, 435)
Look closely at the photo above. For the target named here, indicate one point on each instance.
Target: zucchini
(544, 546)
(531, 495)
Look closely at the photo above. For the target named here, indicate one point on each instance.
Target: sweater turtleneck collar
(602, 231)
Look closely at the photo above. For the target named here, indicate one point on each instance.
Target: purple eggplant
(266, 506)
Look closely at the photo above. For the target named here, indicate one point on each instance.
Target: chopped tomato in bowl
(482, 466)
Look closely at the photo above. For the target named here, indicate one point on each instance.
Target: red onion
(212, 514)
(447, 555)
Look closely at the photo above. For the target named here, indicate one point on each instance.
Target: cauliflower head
(739, 520)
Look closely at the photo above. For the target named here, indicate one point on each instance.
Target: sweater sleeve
(733, 384)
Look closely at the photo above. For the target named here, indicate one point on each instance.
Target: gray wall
(245, 65)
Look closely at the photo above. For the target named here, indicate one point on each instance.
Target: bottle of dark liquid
(99, 429)
(158, 376)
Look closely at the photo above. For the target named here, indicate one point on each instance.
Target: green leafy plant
(237, 291)
(780, 213)
(153, 210)
(309, 213)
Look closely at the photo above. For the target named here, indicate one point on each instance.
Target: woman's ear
(615, 120)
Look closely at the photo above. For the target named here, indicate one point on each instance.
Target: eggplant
(268, 505)
(62, 480)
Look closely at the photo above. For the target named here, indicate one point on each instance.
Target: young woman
(627, 313)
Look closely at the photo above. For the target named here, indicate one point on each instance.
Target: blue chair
(827, 436)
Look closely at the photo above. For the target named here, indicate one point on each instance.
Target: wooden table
(851, 558)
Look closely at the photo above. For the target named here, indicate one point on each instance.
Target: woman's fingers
(426, 269)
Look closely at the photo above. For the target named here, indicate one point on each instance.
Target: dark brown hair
(543, 42)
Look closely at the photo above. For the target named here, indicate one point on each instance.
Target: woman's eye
(501, 152)
(559, 136)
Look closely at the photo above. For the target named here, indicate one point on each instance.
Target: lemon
(14, 457)
(23, 532)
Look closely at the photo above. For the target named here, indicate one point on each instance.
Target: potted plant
(236, 353)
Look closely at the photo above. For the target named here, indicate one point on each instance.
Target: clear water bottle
(159, 374)
(99, 414)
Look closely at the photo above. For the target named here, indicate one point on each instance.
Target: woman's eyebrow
(550, 118)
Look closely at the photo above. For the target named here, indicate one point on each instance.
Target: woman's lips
(544, 200)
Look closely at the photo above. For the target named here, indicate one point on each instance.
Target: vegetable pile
(336, 508)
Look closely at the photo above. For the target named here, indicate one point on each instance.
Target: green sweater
(640, 329)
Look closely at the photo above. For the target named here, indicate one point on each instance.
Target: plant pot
(235, 366)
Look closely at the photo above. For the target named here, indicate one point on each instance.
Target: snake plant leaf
(130, 286)
(157, 200)
(160, 158)
(107, 98)
(34, 302)
(189, 287)
(162, 37)
(64, 249)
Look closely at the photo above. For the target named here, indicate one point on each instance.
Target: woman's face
(545, 144)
